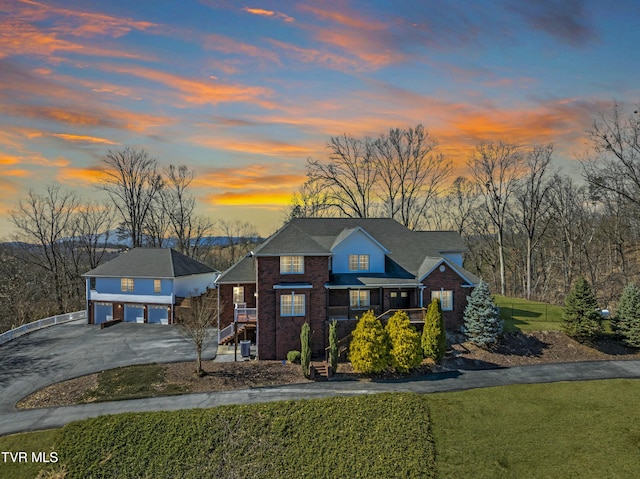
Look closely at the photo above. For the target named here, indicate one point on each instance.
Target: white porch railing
(41, 323)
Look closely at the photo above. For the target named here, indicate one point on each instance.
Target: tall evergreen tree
(305, 348)
(581, 319)
(482, 323)
(434, 338)
(333, 345)
(626, 323)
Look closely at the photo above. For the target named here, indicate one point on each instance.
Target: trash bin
(245, 348)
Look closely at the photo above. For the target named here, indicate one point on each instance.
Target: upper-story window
(291, 264)
(157, 286)
(126, 285)
(292, 305)
(358, 262)
(92, 283)
(238, 294)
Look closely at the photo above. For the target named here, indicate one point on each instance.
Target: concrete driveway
(66, 351)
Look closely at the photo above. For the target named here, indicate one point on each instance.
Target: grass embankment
(585, 430)
(525, 315)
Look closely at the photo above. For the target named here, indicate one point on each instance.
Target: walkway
(22, 421)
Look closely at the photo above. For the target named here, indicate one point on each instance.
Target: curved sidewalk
(32, 420)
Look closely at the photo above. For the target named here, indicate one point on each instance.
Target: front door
(399, 299)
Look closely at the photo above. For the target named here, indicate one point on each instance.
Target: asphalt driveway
(66, 351)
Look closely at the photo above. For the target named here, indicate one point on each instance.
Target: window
(92, 283)
(157, 286)
(358, 262)
(446, 299)
(126, 285)
(291, 264)
(359, 298)
(292, 305)
(238, 294)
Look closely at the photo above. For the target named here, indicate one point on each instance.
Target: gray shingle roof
(244, 271)
(411, 253)
(150, 263)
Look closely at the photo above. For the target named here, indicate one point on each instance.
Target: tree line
(60, 236)
(530, 228)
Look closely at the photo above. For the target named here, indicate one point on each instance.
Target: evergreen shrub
(369, 349)
(305, 354)
(434, 338)
(482, 323)
(294, 357)
(581, 319)
(406, 351)
(626, 322)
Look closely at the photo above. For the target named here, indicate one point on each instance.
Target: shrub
(482, 323)
(369, 349)
(405, 352)
(333, 345)
(627, 320)
(434, 338)
(581, 319)
(294, 357)
(305, 354)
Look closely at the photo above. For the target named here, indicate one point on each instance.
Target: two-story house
(317, 269)
(144, 285)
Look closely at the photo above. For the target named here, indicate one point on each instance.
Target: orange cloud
(84, 139)
(252, 185)
(315, 56)
(272, 148)
(228, 45)
(269, 13)
(75, 176)
(200, 92)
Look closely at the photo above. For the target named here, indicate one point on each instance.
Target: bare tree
(310, 201)
(616, 141)
(197, 321)
(454, 210)
(496, 168)
(410, 174)
(92, 225)
(44, 223)
(131, 179)
(349, 176)
(179, 205)
(240, 237)
(532, 203)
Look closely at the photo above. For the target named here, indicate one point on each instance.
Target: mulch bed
(514, 349)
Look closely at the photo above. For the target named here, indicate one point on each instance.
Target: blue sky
(244, 93)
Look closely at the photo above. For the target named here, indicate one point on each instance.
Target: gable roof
(409, 254)
(150, 263)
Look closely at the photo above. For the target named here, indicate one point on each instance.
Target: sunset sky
(244, 93)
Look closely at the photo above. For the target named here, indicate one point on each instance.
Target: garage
(133, 313)
(158, 314)
(102, 312)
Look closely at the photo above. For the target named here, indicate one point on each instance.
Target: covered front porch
(350, 303)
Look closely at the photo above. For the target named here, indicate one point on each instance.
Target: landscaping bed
(514, 349)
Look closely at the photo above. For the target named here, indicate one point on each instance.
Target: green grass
(524, 315)
(41, 441)
(561, 430)
(132, 382)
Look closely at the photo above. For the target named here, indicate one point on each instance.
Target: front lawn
(524, 315)
(560, 430)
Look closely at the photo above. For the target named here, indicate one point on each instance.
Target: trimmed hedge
(261, 441)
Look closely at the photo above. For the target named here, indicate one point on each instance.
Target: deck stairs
(319, 371)
(227, 334)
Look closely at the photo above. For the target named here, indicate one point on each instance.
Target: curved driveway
(41, 359)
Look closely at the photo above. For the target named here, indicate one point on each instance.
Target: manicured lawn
(561, 430)
(524, 315)
(42, 441)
